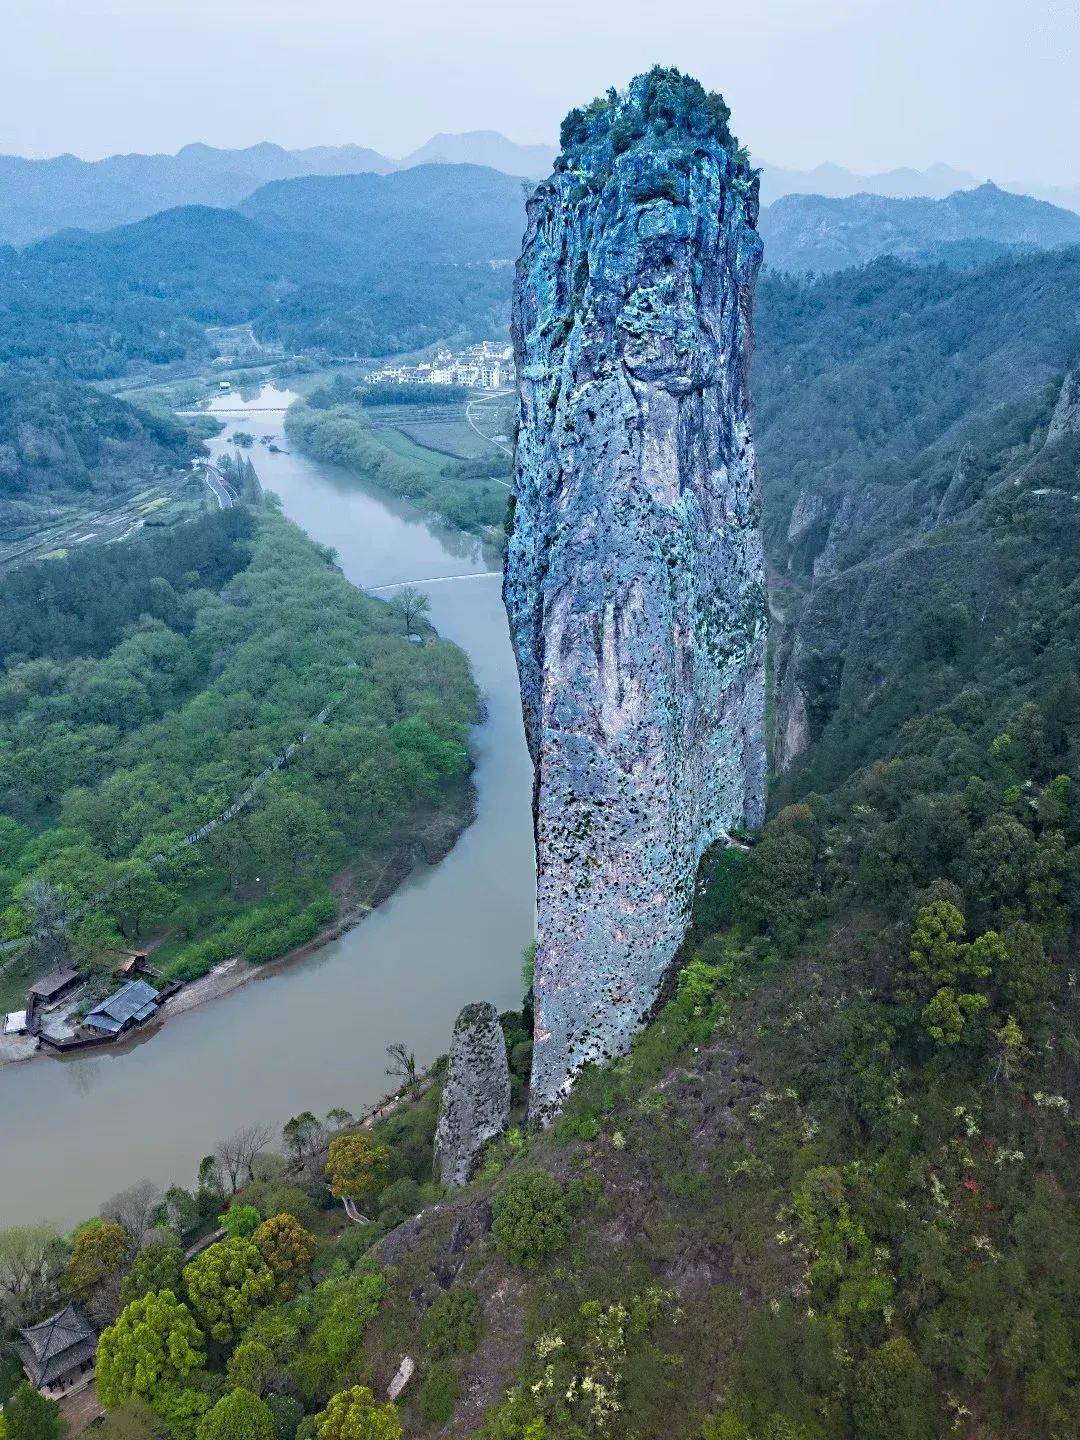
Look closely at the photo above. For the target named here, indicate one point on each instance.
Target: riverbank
(443, 465)
(422, 848)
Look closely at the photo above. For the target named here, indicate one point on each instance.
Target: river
(313, 1034)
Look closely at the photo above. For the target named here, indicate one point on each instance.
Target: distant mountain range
(353, 264)
(486, 147)
(40, 197)
(368, 264)
(934, 183)
(452, 214)
(819, 233)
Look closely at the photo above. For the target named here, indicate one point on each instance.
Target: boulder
(476, 1096)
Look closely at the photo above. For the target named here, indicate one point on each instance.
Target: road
(218, 488)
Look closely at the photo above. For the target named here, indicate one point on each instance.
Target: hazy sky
(992, 86)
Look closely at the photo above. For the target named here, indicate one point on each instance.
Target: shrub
(399, 1200)
(157, 1267)
(239, 1415)
(240, 1221)
(30, 1416)
(97, 1255)
(892, 1398)
(287, 1412)
(530, 1217)
(356, 1415)
(453, 1324)
(439, 1395)
(286, 1247)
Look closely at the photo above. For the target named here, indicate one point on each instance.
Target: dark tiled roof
(134, 1001)
(57, 1346)
(55, 981)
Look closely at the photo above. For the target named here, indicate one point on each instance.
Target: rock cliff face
(476, 1096)
(1066, 417)
(634, 579)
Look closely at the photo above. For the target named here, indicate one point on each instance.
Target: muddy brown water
(312, 1034)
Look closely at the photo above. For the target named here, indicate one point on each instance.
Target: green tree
(948, 1012)
(355, 1414)
(943, 966)
(239, 1415)
(776, 892)
(154, 1343)
(227, 1285)
(290, 830)
(96, 1257)
(357, 1166)
(286, 1247)
(251, 1366)
(157, 1267)
(30, 1416)
(412, 606)
(531, 1217)
(304, 1136)
(892, 1395)
(240, 1221)
(937, 946)
(181, 1407)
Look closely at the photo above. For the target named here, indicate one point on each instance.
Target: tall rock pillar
(634, 580)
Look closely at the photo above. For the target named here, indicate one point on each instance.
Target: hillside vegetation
(861, 377)
(358, 264)
(62, 441)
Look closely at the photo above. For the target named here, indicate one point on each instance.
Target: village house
(58, 1354)
(52, 987)
(486, 366)
(131, 1005)
(132, 964)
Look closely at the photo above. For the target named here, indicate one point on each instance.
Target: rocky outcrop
(1066, 417)
(476, 1095)
(634, 580)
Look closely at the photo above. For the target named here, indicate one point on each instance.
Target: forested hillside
(814, 233)
(859, 376)
(831, 1194)
(359, 264)
(60, 440)
(430, 214)
(147, 684)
